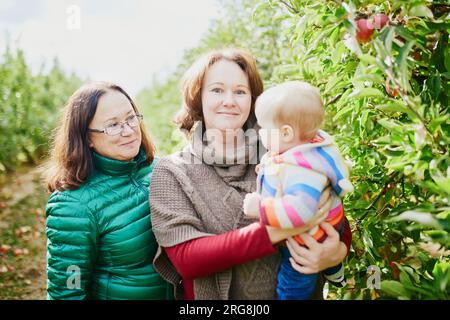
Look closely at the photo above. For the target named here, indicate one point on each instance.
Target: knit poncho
(191, 200)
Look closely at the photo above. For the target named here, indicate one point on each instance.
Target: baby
(300, 162)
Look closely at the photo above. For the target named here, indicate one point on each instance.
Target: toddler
(300, 162)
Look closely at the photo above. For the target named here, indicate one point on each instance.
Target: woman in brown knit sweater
(208, 248)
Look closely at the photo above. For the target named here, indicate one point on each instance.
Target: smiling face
(226, 97)
(115, 107)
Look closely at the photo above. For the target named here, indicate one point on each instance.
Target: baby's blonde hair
(295, 103)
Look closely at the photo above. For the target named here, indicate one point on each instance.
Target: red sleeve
(347, 235)
(203, 256)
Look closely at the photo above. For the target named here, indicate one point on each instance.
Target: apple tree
(383, 68)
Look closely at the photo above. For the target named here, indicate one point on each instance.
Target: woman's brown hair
(192, 82)
(71, 158)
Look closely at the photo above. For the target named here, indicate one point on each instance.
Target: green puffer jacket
(100, 242)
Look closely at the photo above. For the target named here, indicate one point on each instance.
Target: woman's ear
(287, 133)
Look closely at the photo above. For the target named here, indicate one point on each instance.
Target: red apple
(20, 252)
(380, 20)
(417, 55)
(391, 92)
(395, 270)
(4, 249)
(364, 30)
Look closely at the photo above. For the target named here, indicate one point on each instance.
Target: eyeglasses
(115, 128)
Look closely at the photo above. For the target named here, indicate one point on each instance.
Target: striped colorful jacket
(291, 184)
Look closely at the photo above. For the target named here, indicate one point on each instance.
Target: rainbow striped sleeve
(297, 205)
(327, 160)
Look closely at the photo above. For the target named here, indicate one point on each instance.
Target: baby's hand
(257, 168)
(251, 204)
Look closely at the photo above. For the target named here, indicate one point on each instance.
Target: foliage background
(387, 106)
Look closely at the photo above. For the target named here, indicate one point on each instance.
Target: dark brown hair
(192, 82)
(71, 158)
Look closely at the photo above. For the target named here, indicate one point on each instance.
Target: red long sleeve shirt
(203, 256)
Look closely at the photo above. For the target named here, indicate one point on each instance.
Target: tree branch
(334, 99)
(290, 8)
(404, 95)
(380, 194)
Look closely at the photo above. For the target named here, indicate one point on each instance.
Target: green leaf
(388, 40)
(443, 183)
(447, 60)
(340, 12)
(435, 123)
(331, 84)
(367, 58)
(370, 77)
(423, 291)
(343, 111)
(367, 240)
(409, 36)
(401, 62)
(338, 53)
(366, 92)
(384, 140)
(259, 8)
(393, 107)
(434, 85)
(394, 289)
(420, 11)
(423, 218)
(441, 273)
(404, 279)
(389, 124)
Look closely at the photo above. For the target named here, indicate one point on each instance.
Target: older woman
(100, 243)
(209, 248)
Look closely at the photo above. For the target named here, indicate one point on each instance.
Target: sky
(128, 42)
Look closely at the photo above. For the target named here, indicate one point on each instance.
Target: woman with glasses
(100, 242)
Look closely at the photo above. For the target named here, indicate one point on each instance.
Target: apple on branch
(380, 20)
(392, 92)
(364, 30)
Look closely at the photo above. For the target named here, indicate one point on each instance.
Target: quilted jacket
(100, 242)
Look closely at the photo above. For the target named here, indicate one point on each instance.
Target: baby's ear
(287, 133)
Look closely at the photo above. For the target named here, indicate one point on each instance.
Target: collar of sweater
(114, 167)
(243, 155)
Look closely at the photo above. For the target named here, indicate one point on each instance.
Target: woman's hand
(318, 256)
